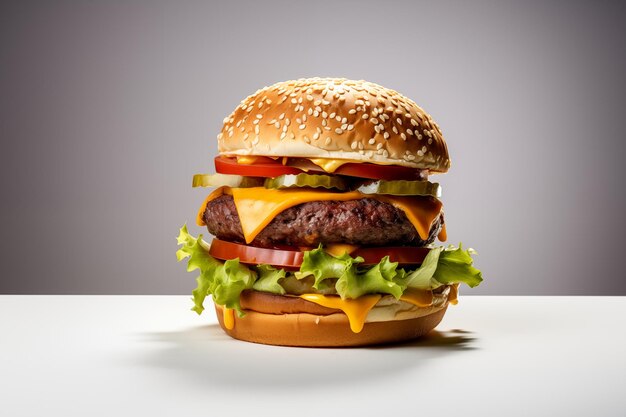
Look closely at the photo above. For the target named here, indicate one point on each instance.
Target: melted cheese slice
(419, 298)
(229, 318)
(356, 309)
(328, 165)
(338, 249)
(257, 206)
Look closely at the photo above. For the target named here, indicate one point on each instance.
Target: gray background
(108, 108)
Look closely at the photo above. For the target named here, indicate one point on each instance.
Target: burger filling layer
(363, 222)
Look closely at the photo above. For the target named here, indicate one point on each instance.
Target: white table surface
(151, 356)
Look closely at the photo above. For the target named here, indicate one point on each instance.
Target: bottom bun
(333, 330)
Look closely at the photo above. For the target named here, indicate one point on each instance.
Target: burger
(325, 219)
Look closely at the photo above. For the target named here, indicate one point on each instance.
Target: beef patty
(364, 222)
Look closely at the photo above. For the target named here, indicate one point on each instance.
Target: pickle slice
(219, 180)
(402, 187)
(306, 180)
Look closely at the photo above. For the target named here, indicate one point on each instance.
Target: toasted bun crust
(332, 330)
(335, 118)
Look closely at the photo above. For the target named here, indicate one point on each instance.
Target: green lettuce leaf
(323, 265)
(375, 280)
(224, 280)
(228, 283)
(456, 265)
(268, 279)
(422, 277)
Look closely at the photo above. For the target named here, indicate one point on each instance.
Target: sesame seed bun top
(338, 119)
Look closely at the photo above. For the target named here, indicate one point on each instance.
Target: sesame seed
(316, 136)
(309, 112)
(385, 153)
(398, 111)
(294, 101)
(277, 125)
(344, 126)
(268, 101)
(260, 104)
(424, 148)
(327, 141)
(386, 135)
(350, 127)
(316, 113)
(371, 141)
(374, 120)
(414, 122)
(379, 146)
(344, 120)
(292, 135)
(365, 116)
(304, 117)
(403, 136)
(306, 139)
(324, 115)
(352, 111)
(282, 135)
(338, 131)
(282, 116)
(256, 129)
(302, 127)
(255, 122)
(409, 131)
(338, 118)
(285, 128)
(353, 145)
(309, 97)
(287, 122)
(245, 137)
(420, 153)
(256, 140)
(430, 141)
(419, 137)
(317, 102)
(299, 120)
(395, 130)
(399, 120)
(332, 115)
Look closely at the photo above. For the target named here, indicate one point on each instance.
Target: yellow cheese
(338, 249)
(356, 309)
(216, 193)
(420, 298)
(229, 318)
(257, 206)
(328, 165)
(246, 160)
(453, 296)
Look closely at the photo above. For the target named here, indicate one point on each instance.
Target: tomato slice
(381, 172)
(266, 167)
(225, 165)
(404, 255)
(224, 250)
(290, 259)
